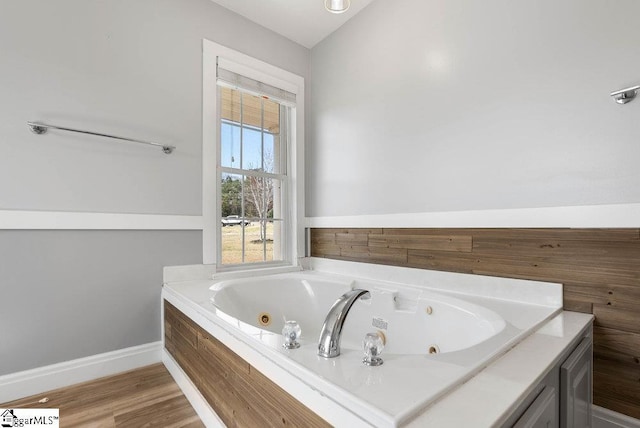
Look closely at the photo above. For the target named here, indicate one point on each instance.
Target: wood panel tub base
(236, 391)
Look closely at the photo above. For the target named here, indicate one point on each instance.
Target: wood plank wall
(240, 394)
(599, 268)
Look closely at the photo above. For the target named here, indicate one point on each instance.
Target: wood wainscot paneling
(240, 394)
(599, 268)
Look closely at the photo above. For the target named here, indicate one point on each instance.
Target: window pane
(270, 157)
(271, 116)
(254, 245)
(230, 105)
(271, 136)
(258, 196)
(231, 195)
(232, 244)
(230, 145)
(262, 241)
(232, 223)
(251, 149)
(251, 111)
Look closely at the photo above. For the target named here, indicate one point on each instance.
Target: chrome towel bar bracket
(41, 128)
(626, 95)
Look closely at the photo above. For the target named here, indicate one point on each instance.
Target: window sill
(247, 271)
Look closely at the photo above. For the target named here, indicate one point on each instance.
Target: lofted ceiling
(304, 21)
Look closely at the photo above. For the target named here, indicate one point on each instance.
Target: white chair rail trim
(587, 216)
(66, 220)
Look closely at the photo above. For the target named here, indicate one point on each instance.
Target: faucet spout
(329, 342)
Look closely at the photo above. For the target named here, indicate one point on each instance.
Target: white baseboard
(208, 416)
(605, 418)
(42, 379)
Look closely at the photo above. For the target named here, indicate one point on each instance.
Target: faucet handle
(291, 333)
(372, 346)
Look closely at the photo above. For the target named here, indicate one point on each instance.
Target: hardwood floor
(143, 397)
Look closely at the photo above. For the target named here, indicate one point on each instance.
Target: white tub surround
(407, 385)
(489, 397)
(187, 273)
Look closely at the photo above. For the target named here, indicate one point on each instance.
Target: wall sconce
(337, 6)
(624, 96)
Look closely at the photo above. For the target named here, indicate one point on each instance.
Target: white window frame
(274, 76)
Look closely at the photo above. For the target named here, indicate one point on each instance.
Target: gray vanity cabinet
(575, 386)
(563, 398)
(543, 412)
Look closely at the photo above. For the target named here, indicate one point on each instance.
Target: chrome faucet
(329, 342)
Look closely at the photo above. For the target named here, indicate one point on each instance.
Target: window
(253, 179)
(252, 161)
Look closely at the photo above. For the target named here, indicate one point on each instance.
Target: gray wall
(131, 68)
(71, 294)
(438, 105)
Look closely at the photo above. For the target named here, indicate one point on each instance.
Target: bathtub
(425, 323)
(440, 329)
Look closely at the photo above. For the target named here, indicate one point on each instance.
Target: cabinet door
(575, 386)
(542, 413)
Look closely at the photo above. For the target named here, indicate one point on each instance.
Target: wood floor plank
(95, 419)
(147, 396)
(172, 412)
